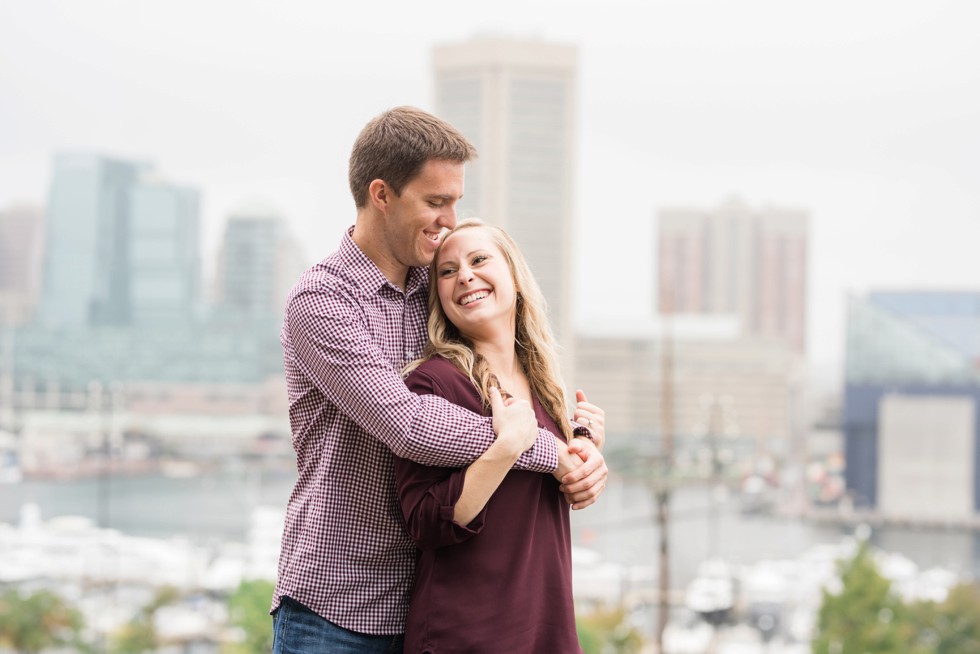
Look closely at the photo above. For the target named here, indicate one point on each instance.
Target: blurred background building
(123, 349)
(258, 263)
(516, 101)
(737, 260)
(912, 404)
(735, 399)
(21, 234)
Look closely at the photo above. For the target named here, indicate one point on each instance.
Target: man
(352, 322)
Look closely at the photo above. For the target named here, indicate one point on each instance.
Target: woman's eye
(480, 258)
(446, 272)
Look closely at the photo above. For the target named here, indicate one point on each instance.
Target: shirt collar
(367, 274)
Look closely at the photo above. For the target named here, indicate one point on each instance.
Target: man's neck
(365, 238)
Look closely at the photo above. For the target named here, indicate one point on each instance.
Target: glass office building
(121, 292)
(85, 272)
(912, 403)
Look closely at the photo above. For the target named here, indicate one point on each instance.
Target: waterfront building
(164, 258)
(516, 101)
(911, 415)
(730, 391)
(735, 259)
(122, 247)
(86, 263)
(121, 301)
(258, 264)
(21, 231)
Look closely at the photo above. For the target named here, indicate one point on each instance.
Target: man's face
(427, 205)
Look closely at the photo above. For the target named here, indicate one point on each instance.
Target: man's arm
(332, 347)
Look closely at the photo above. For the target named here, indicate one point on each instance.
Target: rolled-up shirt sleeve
(428, 497)
(428, 494)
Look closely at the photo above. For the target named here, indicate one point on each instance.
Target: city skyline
(865, 117)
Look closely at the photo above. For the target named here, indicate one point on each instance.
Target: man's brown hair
(395, 145)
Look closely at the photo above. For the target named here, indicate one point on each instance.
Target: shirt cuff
(581, 430)
(445, 498)
(543, 455)
(464, 531)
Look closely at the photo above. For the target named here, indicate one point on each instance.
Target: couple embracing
(437, 458)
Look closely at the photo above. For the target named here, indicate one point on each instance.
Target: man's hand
(514, 422)
(582, 472)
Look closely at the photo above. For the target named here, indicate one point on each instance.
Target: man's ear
(379, 193)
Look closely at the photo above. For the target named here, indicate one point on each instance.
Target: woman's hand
(514, 422)
(591, 417)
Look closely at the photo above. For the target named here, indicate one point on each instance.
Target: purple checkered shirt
(346, 334)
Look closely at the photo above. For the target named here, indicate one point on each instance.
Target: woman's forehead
(467, 240)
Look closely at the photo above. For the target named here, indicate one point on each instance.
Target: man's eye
(435, 203)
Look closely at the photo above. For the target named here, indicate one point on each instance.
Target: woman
(494, 573)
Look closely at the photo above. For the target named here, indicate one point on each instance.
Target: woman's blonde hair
(535, 344)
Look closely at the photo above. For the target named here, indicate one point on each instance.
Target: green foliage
(950, 627)
(607, 632)
(136, 637)
(140, 634)
(248, 609)
(865, 617)
(34, 622)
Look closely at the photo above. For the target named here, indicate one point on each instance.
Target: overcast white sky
(864, 113)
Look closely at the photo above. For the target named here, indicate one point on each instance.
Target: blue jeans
(298, 630)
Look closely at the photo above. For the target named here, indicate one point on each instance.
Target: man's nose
(448, 219)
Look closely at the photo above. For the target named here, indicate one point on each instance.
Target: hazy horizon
(864, 115)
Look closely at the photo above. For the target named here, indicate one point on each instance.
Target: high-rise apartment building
(515, 100)
(86, 276)
(20, 263)
(736, 260)
(258, 264)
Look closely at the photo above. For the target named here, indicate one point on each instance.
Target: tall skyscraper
(164, 253)
(122, 246)
(258, 264)
(515, 100)
(86, 277)
(736, 260)
(20, 263)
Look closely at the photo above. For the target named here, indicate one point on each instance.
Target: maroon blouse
(502, 583)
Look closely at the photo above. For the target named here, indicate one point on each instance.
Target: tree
(952, 626)
(248, 610)
(607, 631)
(34, 622)
(865, 617)
(140, 634)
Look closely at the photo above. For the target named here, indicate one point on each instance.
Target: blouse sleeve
(428, 494)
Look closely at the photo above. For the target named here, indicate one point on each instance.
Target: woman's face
(475, 285)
